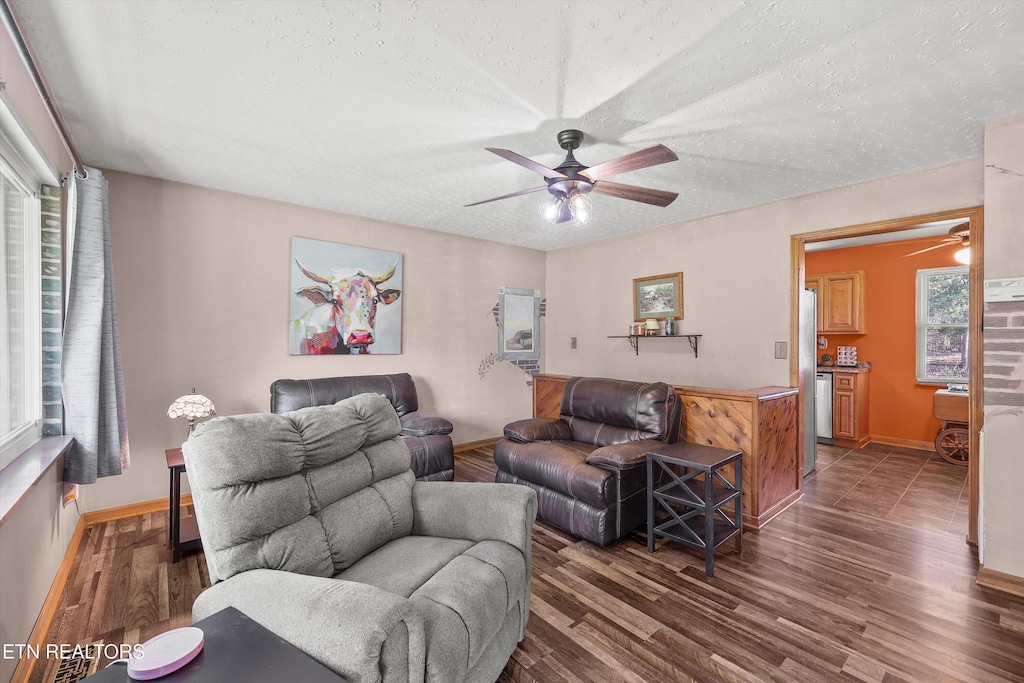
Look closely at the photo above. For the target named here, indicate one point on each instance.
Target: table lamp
(191, 406)
(652, 327)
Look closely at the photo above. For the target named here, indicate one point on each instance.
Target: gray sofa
(314, 526)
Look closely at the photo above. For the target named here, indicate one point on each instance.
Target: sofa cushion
(459, 624)
(558, 465)
(434, 573)
(309, 491)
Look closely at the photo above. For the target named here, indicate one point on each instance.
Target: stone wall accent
(1004, 353)
(52, 307)
(530, 367)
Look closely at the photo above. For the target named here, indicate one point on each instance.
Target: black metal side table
(183, 532)
(694, 506)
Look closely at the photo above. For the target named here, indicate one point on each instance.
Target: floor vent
(78, 666)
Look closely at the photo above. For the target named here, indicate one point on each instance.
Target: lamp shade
(652, 324)
(191, 407)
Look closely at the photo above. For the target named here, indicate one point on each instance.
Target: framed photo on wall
(658, 297)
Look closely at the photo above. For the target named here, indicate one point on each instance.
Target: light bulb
(580, 208)
(963, 256)
(550, 210)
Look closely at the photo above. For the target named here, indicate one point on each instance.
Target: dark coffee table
(237, 649)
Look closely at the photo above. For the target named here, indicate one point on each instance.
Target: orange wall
(899, 408)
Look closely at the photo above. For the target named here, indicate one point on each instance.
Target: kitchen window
(943, 305)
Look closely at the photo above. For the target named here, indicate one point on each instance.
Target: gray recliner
(314, 526)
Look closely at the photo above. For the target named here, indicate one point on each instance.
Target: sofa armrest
(422, 424)
(359, 631)
(538, 429)
(623, 455)
(475, 511)
(478, 512)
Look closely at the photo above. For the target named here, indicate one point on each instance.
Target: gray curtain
(94, 411)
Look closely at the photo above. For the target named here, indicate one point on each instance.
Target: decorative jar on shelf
(670, 327)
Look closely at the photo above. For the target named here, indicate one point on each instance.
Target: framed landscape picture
(658, 297)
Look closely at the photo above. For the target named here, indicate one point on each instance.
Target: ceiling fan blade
(510, 194)
(652, 156)
(945, 240)
(634, 193)
(526, 163)
(921, 251)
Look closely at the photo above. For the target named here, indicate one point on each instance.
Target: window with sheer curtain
(20, 322)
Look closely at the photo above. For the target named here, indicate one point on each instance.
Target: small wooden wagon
(953, 441)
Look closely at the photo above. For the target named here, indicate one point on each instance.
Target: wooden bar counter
(763, 423)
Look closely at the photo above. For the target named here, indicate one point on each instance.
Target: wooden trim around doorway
(975, 215)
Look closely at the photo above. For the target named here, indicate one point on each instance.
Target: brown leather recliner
(427, 437)
(589, 467)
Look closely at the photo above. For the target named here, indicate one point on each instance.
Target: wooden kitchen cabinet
(840, 302)
(850, 409)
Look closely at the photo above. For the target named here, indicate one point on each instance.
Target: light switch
(572, 342)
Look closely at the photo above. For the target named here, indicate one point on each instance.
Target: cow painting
(339, 308)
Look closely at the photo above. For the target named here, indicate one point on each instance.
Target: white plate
(165, 653)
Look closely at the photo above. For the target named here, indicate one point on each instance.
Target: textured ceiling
(383, 109)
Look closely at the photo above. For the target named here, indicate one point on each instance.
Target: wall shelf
(634, 339)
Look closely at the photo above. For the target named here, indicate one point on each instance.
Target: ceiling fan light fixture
(551, 210)
(963, 256)
(580, 208)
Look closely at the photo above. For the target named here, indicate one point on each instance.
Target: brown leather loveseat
(588, 467)
(427, 437)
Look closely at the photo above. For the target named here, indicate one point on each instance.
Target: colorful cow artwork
(338, 314)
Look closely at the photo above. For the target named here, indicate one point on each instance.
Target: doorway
(974, 217)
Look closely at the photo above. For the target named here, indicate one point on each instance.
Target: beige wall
(202, 285)
(32, 544)
(736, 281)
(1002, 464)
(34, 537)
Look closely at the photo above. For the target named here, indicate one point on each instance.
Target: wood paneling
(779, 465)
(821, 594)
(760, 422)
(547, 395)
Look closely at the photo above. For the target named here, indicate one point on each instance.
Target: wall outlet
(780, 349)
(572, 342)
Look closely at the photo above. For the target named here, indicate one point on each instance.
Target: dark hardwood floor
(825, 592)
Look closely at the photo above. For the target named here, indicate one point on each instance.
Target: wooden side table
(184, 533)
(694, 506)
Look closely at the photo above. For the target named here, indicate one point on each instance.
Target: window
(942, 316)
(20, 322)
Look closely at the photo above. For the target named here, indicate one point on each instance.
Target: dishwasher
(823, 407)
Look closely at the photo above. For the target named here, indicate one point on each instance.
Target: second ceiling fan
(570, 182)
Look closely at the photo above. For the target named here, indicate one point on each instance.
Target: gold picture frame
(658, 297)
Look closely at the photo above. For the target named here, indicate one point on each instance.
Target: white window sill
(18, 477)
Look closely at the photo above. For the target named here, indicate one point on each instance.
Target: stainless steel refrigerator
(808, 364)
